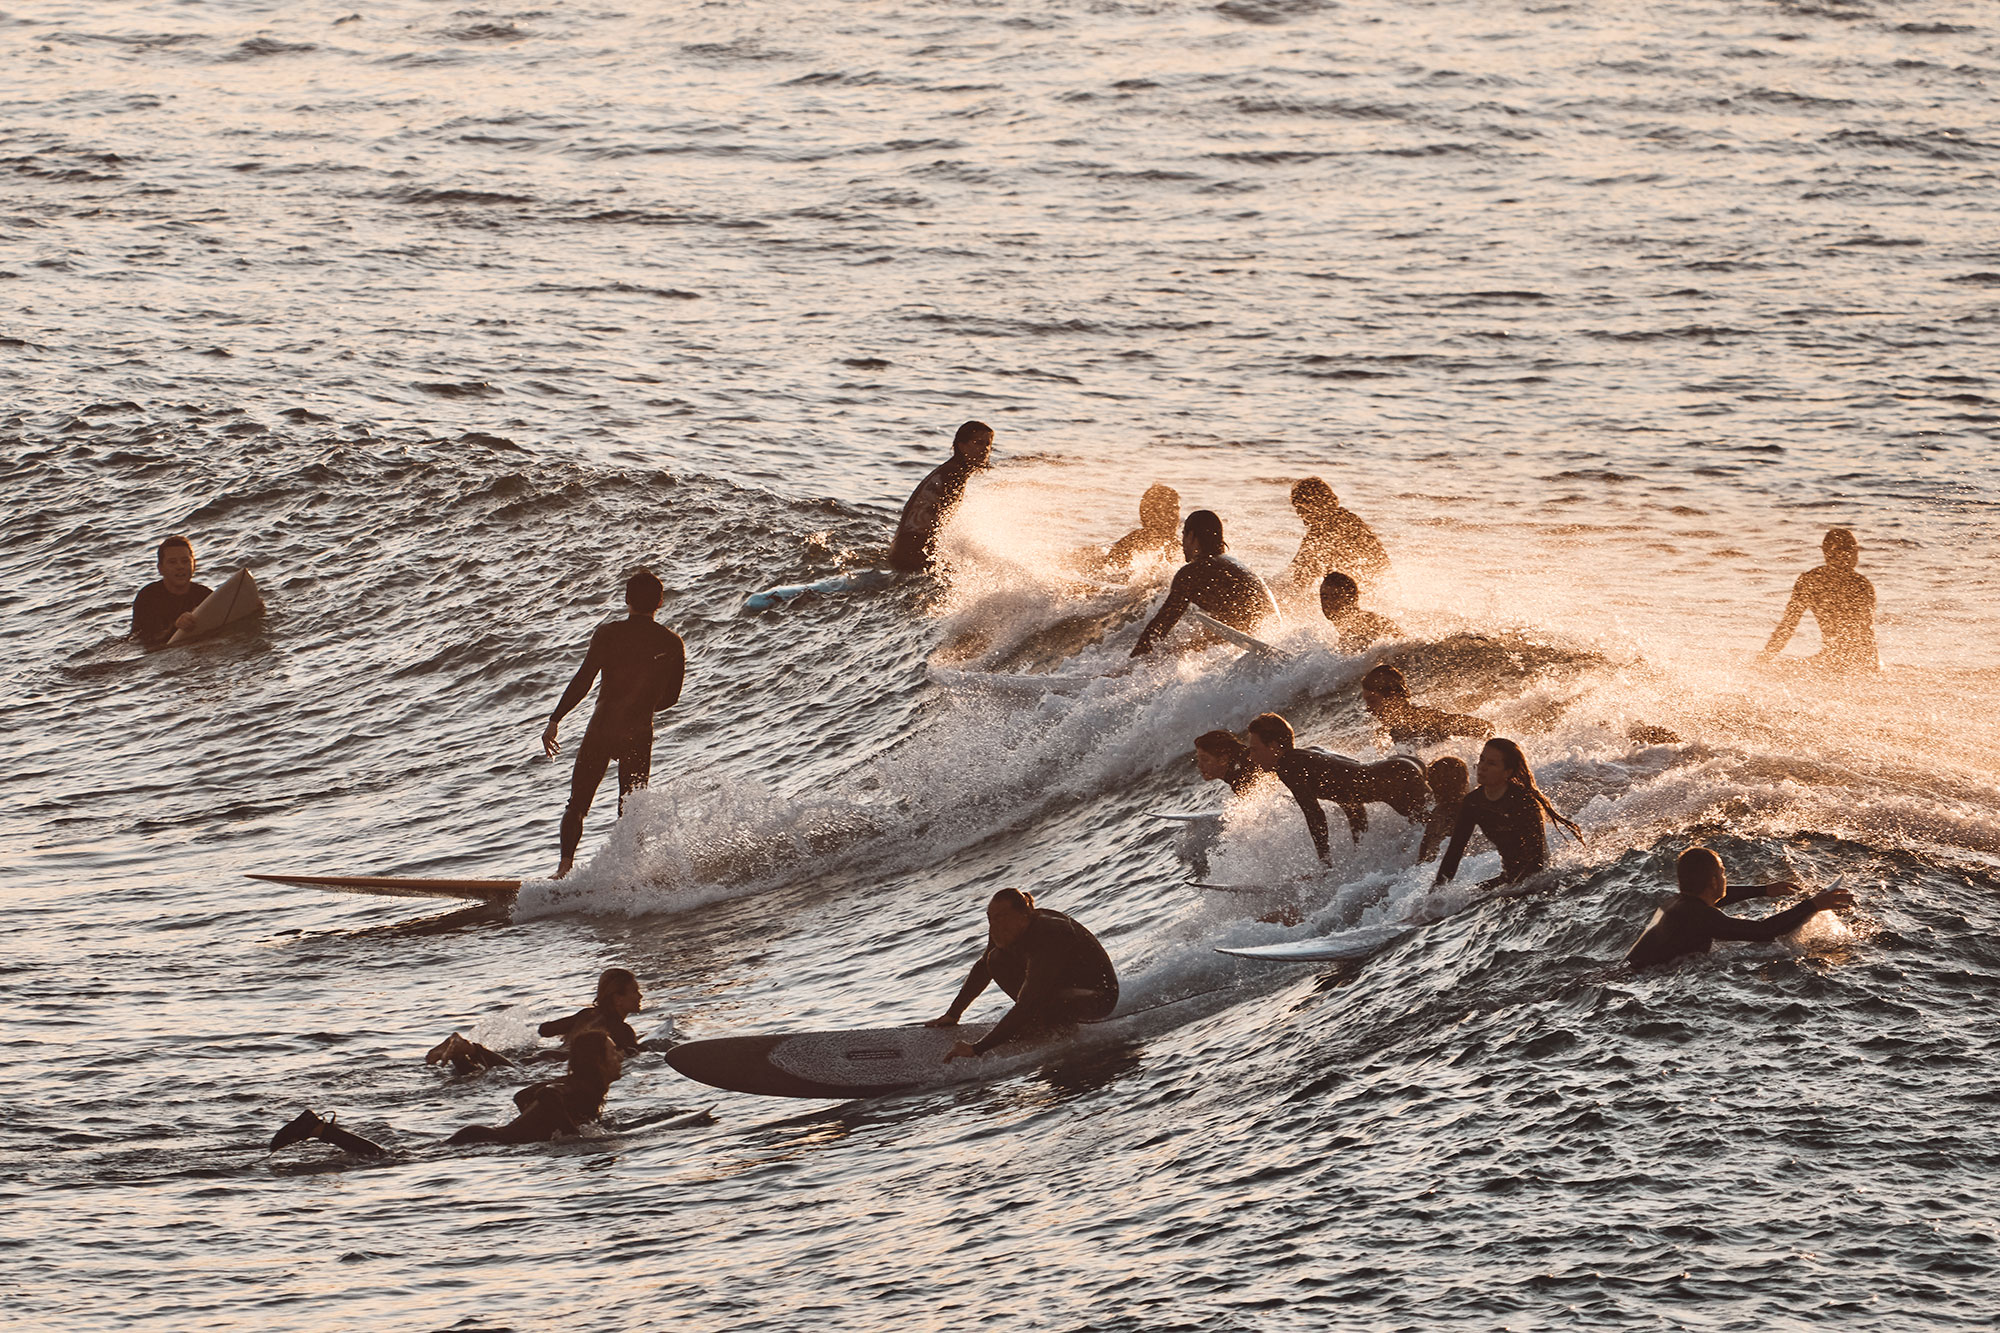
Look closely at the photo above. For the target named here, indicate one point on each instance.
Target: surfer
(1387, 695)
(617, 996)
(1841, 600)
(643, 666)
(1694, 920)
(1054, 969)
(167, 604)
(930, 505)
(1448, 780)
(1336, 538)
(1213, 580)
(1508, 808)
(308, 1125)
(1314, 775)
(1158, 533)
(1221, 756)
(559, 1105)
(1340, 602)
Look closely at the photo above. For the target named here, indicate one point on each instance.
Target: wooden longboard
(398, 886)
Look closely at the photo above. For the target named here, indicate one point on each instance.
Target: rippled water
(441, 319)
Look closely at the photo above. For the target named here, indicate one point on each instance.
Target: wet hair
(1335, 589)
(594, 1052)
(972, 432)
(1521, 775)
(1226, 744)
(1692, 870)
(1273, 730)
(170, 543)
(1387, 681)
(1838, 539)
(1014, 900)
(1313, 493)
(1203, 531)
(1160, 506)
(1449, 778)
(644, 592)
(614, 981)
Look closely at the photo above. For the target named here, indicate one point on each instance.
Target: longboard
(237, 599)
(399, 886)
(1356, 943)
(1190, 817)
(868, 1062)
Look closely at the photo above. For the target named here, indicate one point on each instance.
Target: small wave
(482, 197)
(258, 48)
(1270, 13)
(618, 288)
(468, 389)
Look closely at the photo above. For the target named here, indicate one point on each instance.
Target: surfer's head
(1313, 496)
(1840, 548)
(594, 1055)
(618, 991)
(176, 561)
(1269, 737)
(1202, 534)
(1008, 913)
(1159, 508)
(1383, 687)
(644, 592)
(1338, 595)
(1448, 778)
(973, 443)
(1700, 874)
(1219, 753)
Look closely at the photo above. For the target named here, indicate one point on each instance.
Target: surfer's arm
(1177, 603)
(1037, 991)
(1795, 610)
(1738, 893)
(579, 685)
(673, 669)
(1720, 925)
(976, 981)
(1461, 834)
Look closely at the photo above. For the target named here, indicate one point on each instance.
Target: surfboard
(237, 599)
(1234, 635)
(1027, 682)
(1356, 943)
(399, 886)
(860, 580)
(867, 1062)
(1178, 817)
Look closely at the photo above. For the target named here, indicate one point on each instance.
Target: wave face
(441, 322)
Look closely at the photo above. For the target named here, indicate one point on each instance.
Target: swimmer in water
(1694, 920)
(1387, 696)
(1448, 779)
(1213, 580)
(929, 507)
(559, 1105)
(1055, 970)
(1841, 600)
(1221, 756)
(643, 665)
(1340, 601)
(1508, 808)
(1336, 538)
(1313, 776)
(1158, 534)
(167, 604)
(617, 997)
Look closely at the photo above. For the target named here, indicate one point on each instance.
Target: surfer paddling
(1340, 603)
(1213, 580)
(1336, 538)
(1221, 756)
(1387, 695)
(1694, 920)
(1054, 969)
(1448, 778)
(1314, 775)
(558, 1106)
(1508, 808)
(167, 604)
(931, 504)
(643, 665)
(618, 997)
(1841, 600)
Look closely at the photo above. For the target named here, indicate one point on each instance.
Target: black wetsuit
(1221, 585)
(643, 664)
(1688, 925)
(1414, 725)
(559, 1106)
(926, 511)
(1514, 826)
(1339, 539)
(1443, 819)
(1316, 775)
(1241, 775)
(1056, 972)
(155, 610)
(593, 1018)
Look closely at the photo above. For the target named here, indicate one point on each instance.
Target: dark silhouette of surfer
(1158, 535)
(167, 604)
(1386, 694)
(930, 505)
(1336, 538)
(1340, 602)
(1508, 808)
(1055, 970)
(618, 998)
(558, 1106)
(643, 665)
(1213, 580)
(1841, 600)
(1314, 775)
(1693, 921)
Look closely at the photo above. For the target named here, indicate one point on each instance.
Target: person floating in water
(1841, 600)
(1694, 920)
(1336, 538)
(1313, 776)
(1340, 601)
(1158, 533)
(1054, 969)
(1508, 808)
(559, 1105)
(929, 506)
(1221, 756)
(1213, 580)
(1387, 695)
(167, 604)
(643, 665)
(617, 997)
(1448, 780)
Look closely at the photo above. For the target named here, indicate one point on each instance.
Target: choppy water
(441, 319)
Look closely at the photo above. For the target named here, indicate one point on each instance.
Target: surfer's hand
(946, 1021)
(184, 621)
(550, 745)
(959, 1048)
(1831, 898)
(1782, 889)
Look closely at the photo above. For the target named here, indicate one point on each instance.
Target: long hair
(1521, 775)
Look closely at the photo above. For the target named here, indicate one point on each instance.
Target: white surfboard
(1356, 943)
(1234, 635)
(860, 580)
(237, 599)
(1177, 817)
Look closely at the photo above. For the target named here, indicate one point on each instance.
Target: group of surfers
(1054, 969)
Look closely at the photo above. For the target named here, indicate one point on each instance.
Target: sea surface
(443, 319)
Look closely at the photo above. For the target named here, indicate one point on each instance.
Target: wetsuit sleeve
(1037, 991)
(149, 625)
(1795, 609)
(1738, 893)
(562, 1027)
(1179, 598)
(579, 684)
(674, 669)
(976, 981)
(1461, 833)
(1315, 815)
(1725, 927)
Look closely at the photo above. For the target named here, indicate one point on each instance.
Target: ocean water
(442, 319)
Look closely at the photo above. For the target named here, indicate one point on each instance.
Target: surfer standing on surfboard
(1213, 580)
(930, 505)
(167, 604)
(1695, 920)
(1055, 970)
(1317, 775)
(1841, 600)
(643, 665)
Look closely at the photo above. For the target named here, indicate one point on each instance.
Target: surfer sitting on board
(1336, 538)
(1449, 779)
(1694, 920)
(1055, 971)
(167, 604)
(1221, 756)
(1314, 775)
(1340, 601)
(1213, 580)
(1158, 535)
(1508, 808)
(617, 995)
(1387, 696)
(559, 1105)
(1841, 600)
(643, 666)
(929, 506)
